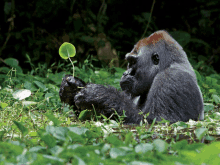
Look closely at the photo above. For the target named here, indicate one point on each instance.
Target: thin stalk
(72, 65)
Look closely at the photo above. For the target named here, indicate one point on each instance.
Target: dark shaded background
(107, 29)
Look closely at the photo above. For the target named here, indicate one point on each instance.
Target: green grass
(38, 129)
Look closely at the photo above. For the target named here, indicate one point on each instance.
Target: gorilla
(159, 80)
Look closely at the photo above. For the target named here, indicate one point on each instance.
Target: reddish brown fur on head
(153, 39)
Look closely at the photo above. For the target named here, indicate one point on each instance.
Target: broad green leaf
(210, 138)
(18, 69)
(75, 138)
(216, 116)
(67, 50)
(23, 129)
(73, 146)
(160, 145)
(10, 150)
(4, 70)
(14, 63)
(48, 96)
(11, 62)
(216, 99)
(57, 132)
(211, 81)
(208, 107)
(84, 114)
(54, 159)
(56, 150)
(77, 130)
(212, 90)
(115, 152)
(105, 148)
(33, 133)
(114, 140)
(200, 132)
(3, 105)
(143, 148)
(49, 140)
(30, 86)
(37, 149)
(53, 87)
(40, 85)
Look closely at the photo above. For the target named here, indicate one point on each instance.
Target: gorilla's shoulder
(175, 79)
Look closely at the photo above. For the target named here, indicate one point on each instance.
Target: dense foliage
(100, 28)
(35, 129)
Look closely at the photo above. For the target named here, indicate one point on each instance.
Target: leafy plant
(37, 131)
(66, 51)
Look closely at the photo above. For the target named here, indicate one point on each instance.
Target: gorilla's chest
(139, 101)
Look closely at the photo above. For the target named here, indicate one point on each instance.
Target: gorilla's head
(148, 57)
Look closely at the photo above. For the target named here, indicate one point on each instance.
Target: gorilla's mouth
(127, 82)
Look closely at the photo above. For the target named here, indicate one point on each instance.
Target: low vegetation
(35, 127)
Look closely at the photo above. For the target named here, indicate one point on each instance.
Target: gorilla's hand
(127, 81)
(69, 88)
(92, 94)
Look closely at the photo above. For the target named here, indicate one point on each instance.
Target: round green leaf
(67, 50)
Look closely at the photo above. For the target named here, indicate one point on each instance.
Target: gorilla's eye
(155, 58)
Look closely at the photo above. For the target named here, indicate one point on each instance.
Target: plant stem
(72, 65)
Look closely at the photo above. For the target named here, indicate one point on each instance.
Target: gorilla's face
(143, 66)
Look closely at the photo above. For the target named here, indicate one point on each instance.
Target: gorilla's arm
(107, 100)
(174, 95)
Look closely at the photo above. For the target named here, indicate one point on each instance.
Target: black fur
(159, 80)
(69, 88)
